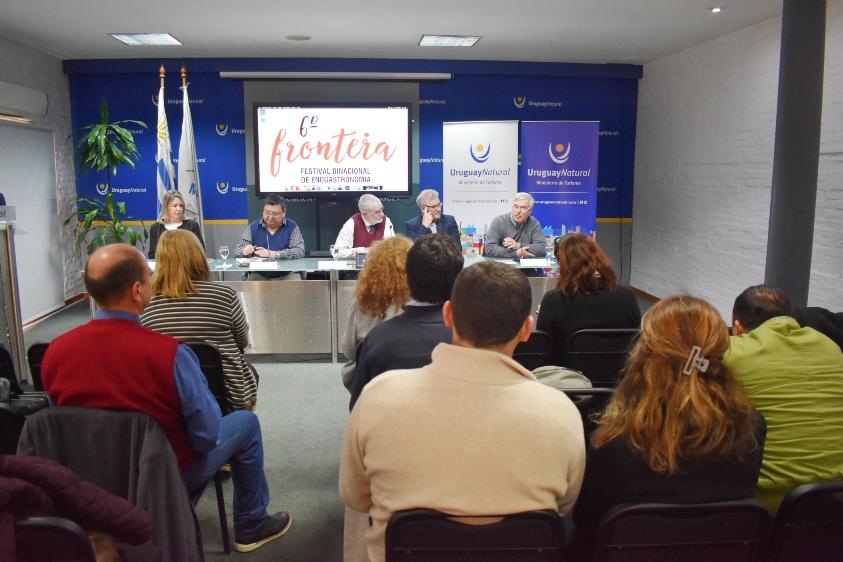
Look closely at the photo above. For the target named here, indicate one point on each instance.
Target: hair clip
(695, 361)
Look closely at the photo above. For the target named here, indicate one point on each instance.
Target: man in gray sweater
(517, 234)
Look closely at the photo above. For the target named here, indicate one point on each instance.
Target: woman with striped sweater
(188, 306)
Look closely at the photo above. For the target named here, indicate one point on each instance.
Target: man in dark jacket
(406, 341)
(430, 219)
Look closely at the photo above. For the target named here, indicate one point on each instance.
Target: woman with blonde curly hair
(680, 428)
(587, 295)
(381, 292)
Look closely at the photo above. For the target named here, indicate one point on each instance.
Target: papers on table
(262, 266)
(533, 262)
(332, 264)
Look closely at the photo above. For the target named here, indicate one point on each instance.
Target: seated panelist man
(430, 219)
(364, 228)
(114, 363)
(517, 234)
(471, 433)
(274, 237)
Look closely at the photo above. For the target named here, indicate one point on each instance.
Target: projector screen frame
(334, 195)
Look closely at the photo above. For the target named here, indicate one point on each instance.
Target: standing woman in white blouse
(172, 218)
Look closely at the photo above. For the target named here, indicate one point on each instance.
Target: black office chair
(734, 531)
(535, 352)
(590, 402)
(11, 424)
(600, 354)
(7, 370)
(809, 525)
(210, 361)
(425, 535)
(24, 398)
(35, 356)
(51, 539)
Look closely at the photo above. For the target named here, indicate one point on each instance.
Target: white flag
(163, 160)
(188, 183)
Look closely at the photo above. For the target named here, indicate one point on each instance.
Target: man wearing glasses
(274, 237)
(430, 219)
(517, 234)
(365, 228)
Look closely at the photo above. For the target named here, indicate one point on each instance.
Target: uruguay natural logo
(479, 156)
(102, 188)
(519, 101)
(222, 187)
(222, 129)
(558, 152)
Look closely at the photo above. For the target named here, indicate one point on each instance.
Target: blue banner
(559, 168)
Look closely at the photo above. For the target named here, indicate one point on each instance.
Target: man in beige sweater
(473, 433)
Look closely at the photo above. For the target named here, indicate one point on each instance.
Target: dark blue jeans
(240, 443)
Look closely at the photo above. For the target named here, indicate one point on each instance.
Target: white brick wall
(703, 170)
(34, 69)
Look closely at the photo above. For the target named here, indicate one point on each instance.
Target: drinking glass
(224, 256)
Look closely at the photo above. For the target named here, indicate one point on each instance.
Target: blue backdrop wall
(478, 90)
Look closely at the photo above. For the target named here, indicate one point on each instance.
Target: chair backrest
(11, 424)
(7, 370)
(431, 536)
(535, 352)
(809, 525)
(589, 401)
(127, 454)
(35, 356)
(210, 361)
(599, 353)
(51, 539)
(734, 531)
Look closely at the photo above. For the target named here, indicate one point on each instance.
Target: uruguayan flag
(163, 160)
(188, 169)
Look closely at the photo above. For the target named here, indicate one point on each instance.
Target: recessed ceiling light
(448, 40)
(716, 10)
(146, 39)
(297, 37)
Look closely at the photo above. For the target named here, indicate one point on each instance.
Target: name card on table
(263, 266)
(533, 262)
(341, 265)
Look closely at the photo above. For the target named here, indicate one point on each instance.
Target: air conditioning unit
(23, 101)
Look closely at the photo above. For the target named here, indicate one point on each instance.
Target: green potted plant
(105, 146)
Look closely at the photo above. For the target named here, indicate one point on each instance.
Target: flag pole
(186, 110)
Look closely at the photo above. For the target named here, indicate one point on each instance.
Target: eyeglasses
(437, 206)
(271, 214)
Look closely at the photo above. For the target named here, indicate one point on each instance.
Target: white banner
(480, 169)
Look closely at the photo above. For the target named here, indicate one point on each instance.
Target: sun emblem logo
(558, 152)
(519, 101)
(478, 154)
(222, 129)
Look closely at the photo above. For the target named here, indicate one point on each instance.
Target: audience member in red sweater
(114, 363)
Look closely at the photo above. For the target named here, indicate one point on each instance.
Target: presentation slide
(319, 149)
